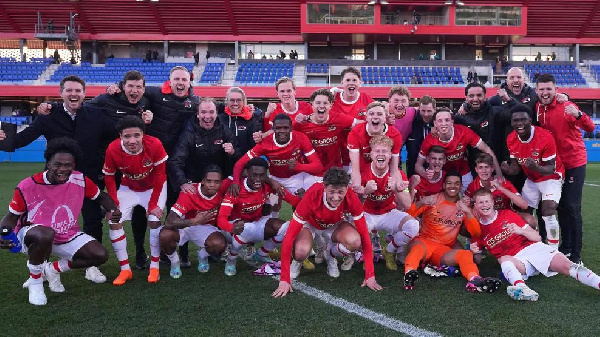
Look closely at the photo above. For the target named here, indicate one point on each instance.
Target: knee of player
(167, 235)
(40, 235)
(411, 227)
(301, 252)
(215, 244)
(353, 242)
(548, 208)
(464, 254)
(100, 255)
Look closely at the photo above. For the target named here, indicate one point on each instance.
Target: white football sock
(337, 250)
(584, 275)
(552, 230)
(119, 243)
(35, 273)
(154, 247)
(511, 273)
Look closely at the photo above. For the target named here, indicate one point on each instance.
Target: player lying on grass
(383, 195)
(519, 249)
(443, 215)
(323, 210)
(142, 160)
(505, 194)
(44, 212)
(241, 215)
(193, 218)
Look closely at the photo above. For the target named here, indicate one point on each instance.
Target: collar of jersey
(283, 145)
(375, 174)
(202, 194)
(290, 112)
(451, 137)
(385, 129)
(248, 187)
(131, 153)
(492, 220)
(327, 205)
(530, 136)
(347, 102)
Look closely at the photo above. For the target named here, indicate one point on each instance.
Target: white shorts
(348, 169)
(326, 233)
(537, 258)
(128, 199)
(545, 190)
(63, 250)
(310, 180)
(254, 232)
(197, 234)
(467, 179)
(292, 183)
(388, 222)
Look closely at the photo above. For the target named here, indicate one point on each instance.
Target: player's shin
(552, 230)
(119, 244)
(511, 273)
(154, 246)
(584, 275)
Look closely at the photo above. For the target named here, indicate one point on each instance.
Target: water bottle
(8, 234)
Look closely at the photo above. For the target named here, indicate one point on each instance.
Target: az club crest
(187, 104)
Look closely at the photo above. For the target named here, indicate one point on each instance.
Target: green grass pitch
(217, 305)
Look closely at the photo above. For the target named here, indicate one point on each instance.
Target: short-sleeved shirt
(456, 148)
(189, 204)
(315, 211)
(356, 109)
(540, 147)
(359, 137)
(279, 156)
(326, 138)
(301, 107)
(501, 200)
(500, 240)
(426, 188)
(137, 168)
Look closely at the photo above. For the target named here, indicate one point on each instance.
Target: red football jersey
(137, 168)
(540, 147)
(501, 200)
(498, 239)
(356, 109)
(189, 204)
(313, 210)
(426, 188)
(359, 137)
(279, 156)
(301, 107)
(248, 205)
(17, 204)
(383, 199)
(326, 138)
(456, 148)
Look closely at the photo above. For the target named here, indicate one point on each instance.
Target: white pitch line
(353, 308)
(589, 184)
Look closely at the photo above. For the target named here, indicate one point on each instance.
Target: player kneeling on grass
(443, 215)
(323, 210)
(193, 218)
(434, 181)
(519, 249)
(141, 158)
(241, 215)
(383, 194)
(44, 210)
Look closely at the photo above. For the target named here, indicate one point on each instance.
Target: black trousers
(569, 211)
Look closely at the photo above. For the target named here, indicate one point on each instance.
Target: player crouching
(322, 210)
(44, 209)
(381, 192)
(519, 249)
(193, 218)
(241, 215)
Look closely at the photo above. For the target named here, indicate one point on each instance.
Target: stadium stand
(595, 70)
(434, 76)
(565, 74)
(212, 74)
(263, 73)
(12, 71)
(317, 68)
(112, 72)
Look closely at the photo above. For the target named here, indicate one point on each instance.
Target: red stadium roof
(551, 21)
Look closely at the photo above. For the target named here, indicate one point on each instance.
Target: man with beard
(90, 127)
(514, 91)
(421, 127)
(485, 120)
(565, 122)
